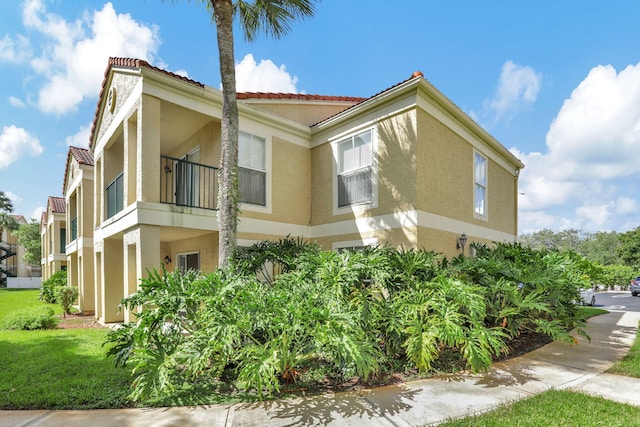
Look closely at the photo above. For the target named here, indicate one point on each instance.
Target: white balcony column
(141, 253)
(148, 150)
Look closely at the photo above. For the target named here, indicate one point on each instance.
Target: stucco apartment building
(405, 167)
(53, 235)
(15, 272)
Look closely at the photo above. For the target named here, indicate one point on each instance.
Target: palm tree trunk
(228, 188)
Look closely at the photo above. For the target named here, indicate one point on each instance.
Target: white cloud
(16, 142)
(80, 138)
(74, 56)
(590, 167)
(14, 50)
(518, 86)
(17, 102)
(37, 213)
(13, 197)
(263, 77)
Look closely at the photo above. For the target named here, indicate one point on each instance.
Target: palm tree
(6, 207)
(274, 17)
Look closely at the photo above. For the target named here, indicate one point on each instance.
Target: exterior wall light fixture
(461, 242)
(167, 260)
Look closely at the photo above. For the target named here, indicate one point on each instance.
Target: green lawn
(556, 408)
(630, 364)
(56, 369)
(576, 409)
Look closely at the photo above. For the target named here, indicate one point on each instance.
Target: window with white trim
(355, 169)
(252, 170)
(189, 261)
(480, 184)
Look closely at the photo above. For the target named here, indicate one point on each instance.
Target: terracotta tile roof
(300, 96)
(415, 75)
(82, 156)
(129, 63)
(56, 204)
(43, 220)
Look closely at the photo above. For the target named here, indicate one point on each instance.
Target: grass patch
(18, 299)
(59, 369)
(55, 369)
(555, 408)
(630, 364)
(585, 313)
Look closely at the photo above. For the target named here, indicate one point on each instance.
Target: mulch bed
(79, 321)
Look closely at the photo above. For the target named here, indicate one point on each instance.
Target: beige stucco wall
(395, 157)
(206, 245)
(445, 179)
(290, 179)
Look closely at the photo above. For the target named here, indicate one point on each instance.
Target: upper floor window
(355, 169)
(480, 186)
(252, 170)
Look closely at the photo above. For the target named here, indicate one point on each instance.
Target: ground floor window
(189, 261)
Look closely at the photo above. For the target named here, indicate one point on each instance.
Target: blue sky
(558, 83)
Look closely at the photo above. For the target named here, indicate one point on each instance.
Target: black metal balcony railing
(74, 229)
(185, 183)
(115, 196)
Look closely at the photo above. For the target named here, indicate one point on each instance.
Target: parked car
(588, 296)
(635, 286)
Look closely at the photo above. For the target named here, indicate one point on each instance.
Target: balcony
(184, 183)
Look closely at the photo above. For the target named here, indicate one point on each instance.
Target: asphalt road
(613, 300)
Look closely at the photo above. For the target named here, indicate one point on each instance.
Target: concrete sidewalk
(423, 402)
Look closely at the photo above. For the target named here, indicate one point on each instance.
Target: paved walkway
(417, 403)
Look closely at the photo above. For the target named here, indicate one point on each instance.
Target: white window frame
(354, 244)
(244, 206)
(358, 207)
(185, 254)
(480, 183)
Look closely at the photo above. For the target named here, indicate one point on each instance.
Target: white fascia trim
(426, 219)
(261, 226)
(365, 225)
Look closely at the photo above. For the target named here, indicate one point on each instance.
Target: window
(190, 261)
(480, 179)
(355, 170)
(252, 171)
(115, 196)
(63, 240)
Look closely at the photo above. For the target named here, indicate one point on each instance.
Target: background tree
(6, 207)
(275, 18)
(629, 249)
(29, 237)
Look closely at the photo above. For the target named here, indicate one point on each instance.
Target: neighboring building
(14, 271)
(54, 240)
(77, 188)
(405, 167)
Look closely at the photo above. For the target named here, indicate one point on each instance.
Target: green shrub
(65, 296)
(47, 293)
(336, 316)
(30, 319)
